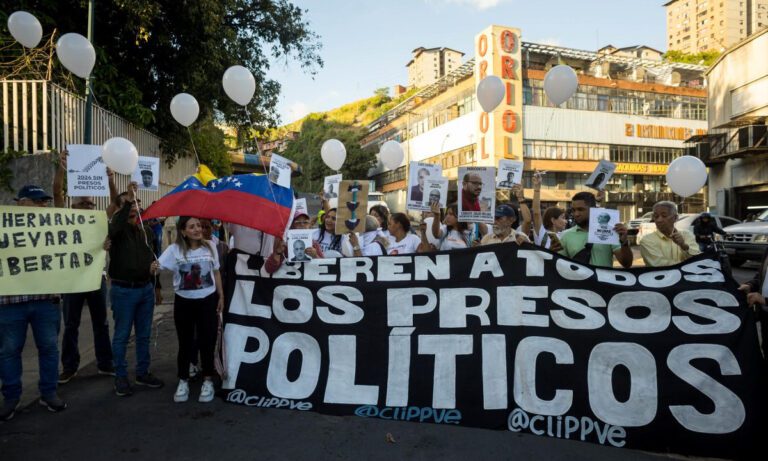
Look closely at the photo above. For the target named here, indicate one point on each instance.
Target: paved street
(150, 425)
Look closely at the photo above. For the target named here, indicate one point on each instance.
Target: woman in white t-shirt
(199, 298)
(452, 234)
(381, 213)
(401, 240)
(326, 237)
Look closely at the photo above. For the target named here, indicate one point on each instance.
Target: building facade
(633, 111)
(430, 64)
(736, 146)
(700, 25)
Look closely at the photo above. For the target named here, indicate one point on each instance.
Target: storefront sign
(660, 131)
(640, 168)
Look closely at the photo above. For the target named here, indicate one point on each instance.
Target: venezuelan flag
(247, 199)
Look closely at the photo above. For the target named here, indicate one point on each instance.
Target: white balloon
(490, 93)
(239, 84)
(560, 84)
(333, 153)
(686, 175)
(25, 28)
(76, 53)
(391, 154)
(120, 155)
(185, 109)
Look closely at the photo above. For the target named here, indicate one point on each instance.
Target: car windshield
(763, 216)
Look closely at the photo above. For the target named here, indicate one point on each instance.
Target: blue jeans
(45, 319)
(132, 307)
(73, 309)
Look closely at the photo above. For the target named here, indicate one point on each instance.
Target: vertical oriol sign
(500, 133)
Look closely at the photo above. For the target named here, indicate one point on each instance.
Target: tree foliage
(704, 58)
(150, 50)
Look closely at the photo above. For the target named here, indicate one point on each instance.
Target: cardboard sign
(86, 171)
(510, 172)
(353, 203)
(436, 190)
(419, 172)
(147, 173)
(601, 223)
(602, 174)
(297, 241)
(477, 194)
(280, 171)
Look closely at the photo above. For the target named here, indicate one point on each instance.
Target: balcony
(717, 148)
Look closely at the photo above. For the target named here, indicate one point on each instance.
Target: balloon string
(546, 133)
(101, 112)
(264, 166)
(194, 149)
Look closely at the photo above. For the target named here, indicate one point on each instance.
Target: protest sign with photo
(331, 186)
(418, 173)
(435, 190)
(601, 223)
(280, 170)
(510, 172)
(147, 173)
(504, 337)
(353, 203)
(297, 241)
(602, 174)
(86, 171)
(300, 206)
(51, 250)
(477, 194)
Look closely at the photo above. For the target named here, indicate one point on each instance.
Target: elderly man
(573, 242)
(667, 246)
(504, 218)
(471, 186)
(42, 313)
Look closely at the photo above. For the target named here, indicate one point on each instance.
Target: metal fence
(39, 116)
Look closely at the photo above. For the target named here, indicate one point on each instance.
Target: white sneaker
(193, 371)
(206, 392)
(182, 392)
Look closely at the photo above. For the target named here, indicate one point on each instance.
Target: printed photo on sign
(297, 241)
(599, 178)
(601, 223)
(300, 206)
(147, 173)
(510, 173)
(477, 194)
(195, 275)
(418, 174)
(86, 171)
(353, 203)
(280, 170)
(331, 186)
(436, 191)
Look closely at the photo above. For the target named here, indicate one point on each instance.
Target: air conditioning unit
(700, 149)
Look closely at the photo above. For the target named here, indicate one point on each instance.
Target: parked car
(747, 240)
(634, 225)
(375, 198)
(685, 222)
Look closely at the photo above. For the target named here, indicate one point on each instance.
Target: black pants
(195, 318)
(73, 308)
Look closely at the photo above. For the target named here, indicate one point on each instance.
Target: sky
(367, 43)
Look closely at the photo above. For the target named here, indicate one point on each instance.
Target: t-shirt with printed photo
(192, 273)
(409, 244)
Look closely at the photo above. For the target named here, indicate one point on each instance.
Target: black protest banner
(507, 338)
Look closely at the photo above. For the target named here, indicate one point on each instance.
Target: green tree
(704, 58)
(150, 50)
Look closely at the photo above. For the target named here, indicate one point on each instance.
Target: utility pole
(88, 137)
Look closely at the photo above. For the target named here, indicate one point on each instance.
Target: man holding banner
(41, 312)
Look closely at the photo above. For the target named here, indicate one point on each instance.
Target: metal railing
(40, 116)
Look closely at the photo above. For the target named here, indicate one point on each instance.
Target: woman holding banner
(401, 240)
(196, 305)
(451, 234)
(326, 237)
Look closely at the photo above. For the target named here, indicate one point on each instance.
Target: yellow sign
(640, 168)
(660, 131)
(51, 250)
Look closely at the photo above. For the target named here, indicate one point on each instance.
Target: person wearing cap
(280, 250)
(504, 218)
(42, 313)
(132, 294)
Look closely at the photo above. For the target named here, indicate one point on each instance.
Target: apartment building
(700, 25)
(430, 64)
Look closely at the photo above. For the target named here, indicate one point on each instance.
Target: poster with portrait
(477, 193)
(601, 223)
(418, 173)
(300, 206)
(280, 171)
(510, 172)
(353, 203)
(331, 186)
(147, 173)
(602, 174)
(435, 190)
(86, 171)
(298, 241)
